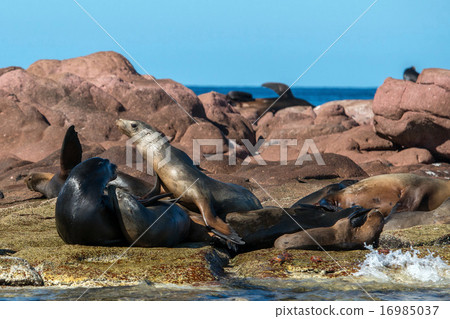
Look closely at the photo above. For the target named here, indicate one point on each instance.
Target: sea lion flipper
(410, 199)
(325, 203)
(150, 201)
(71, 152)
(280, 88)
(216, 224)
(156, 190)
(359, 216)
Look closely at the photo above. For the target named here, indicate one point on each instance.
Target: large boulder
(416, 114)
(303, 122)
(358, 110)
(223, 115)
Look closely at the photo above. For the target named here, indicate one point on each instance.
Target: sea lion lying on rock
(391, 193)
(440, 215)
(352, 232)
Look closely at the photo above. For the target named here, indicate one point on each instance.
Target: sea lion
(245, 100)
(260, 228)
(315, 197)
(391, 192)
(410, 74)
(440, 215)
(50, 184)
(212, 198)
(84, 214)
(347, 233)
(160, 224)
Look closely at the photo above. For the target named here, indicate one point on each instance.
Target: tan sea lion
(245, 100)
(260, 228)
(392, 192)
(348, 233)
(212, 198)
(440, 215)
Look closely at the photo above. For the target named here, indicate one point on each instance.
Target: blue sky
(237, 42)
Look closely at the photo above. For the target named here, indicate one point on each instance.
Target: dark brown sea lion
(315, 197)
(440, 215)
(212, 198)
(160, 224)
(50, 184)
(245, 100)
(392, 192)
(84, 214)
(345, 234)
(260, 228)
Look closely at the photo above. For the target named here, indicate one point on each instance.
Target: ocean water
(315, 96)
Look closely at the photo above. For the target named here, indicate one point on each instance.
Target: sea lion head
(96, 168)
(37, 181)
(132, 128)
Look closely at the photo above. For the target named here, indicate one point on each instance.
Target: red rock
(336, 166)
(411, 156)
(89, 67)
(223, 115)
(416, 114)
(204, 130)
(359, 110)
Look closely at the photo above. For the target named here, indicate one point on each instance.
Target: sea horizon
(314, 95)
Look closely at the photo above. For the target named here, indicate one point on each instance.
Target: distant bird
(410, 74)
(286, 98)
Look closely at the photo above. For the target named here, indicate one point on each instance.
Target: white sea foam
(404, 267)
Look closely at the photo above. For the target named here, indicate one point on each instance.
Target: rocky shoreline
(404, 129)
(32, 254)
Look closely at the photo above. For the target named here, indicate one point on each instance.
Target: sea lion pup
(348, 233)
(315, 197)
(260, 228)
(392, 192)
(84, 214)
(440, 215)
(245, 100)
(50, 184)
(410, 74)
(161, 224)
(212, 198)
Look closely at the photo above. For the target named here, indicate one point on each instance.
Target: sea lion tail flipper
(216, 225)
(281, 89)
(233, 237)
(149, 201)
(71, 152)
